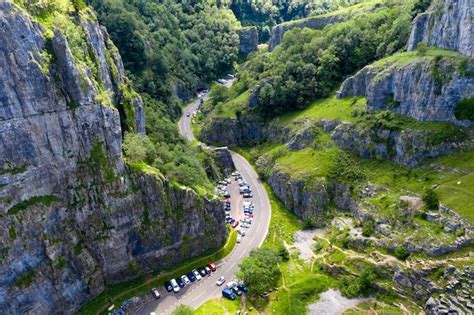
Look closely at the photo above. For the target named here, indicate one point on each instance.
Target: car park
(191, 276)
(228, 293)
(155, 293)
(180, 283)
(168, 286)
(220, 281)
(175, 285)
(197, 275)
(212, 266)
(185, 280)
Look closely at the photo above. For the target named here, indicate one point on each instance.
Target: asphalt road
(201, 291)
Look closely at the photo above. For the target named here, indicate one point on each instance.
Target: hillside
(369, 143)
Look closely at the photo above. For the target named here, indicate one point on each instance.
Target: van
(228, 293)
(175, 285)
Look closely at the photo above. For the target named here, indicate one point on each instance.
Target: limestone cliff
(248, 37)
(427, 89)
(73, 217)
(446, 24)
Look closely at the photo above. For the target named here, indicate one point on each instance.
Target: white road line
(231, 266)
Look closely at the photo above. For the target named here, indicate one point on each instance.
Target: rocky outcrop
(425, 89)
(447, 24)
(310, 199)
(406, 147)
(248, 37)
(224, 161)
(73, 218)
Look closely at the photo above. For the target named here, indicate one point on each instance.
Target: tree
(431, 200)
(368, 228)
(260, 270)
(363, 285)
(182, 310)
(401, 252)
(138, 148)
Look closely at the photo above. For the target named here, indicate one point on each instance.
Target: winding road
(206, 289)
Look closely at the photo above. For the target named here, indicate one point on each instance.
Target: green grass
(329, 108)
(337, 257)
(283, 224)
(222, 306)
(230, 108)
(36, 200)
(118, 293)
(401, 59)
(308, 162)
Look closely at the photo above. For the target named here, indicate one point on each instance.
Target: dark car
(248, 195)
(168, 286)
(191, 276)
(180, 283)
(237, 291)
(242, 287)
(202, 271)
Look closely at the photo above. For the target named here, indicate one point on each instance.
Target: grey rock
(248, 37)
(414, 89)
(224, 160)
(447, 24)
(93, 222)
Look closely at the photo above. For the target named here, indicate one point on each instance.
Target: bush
(431, 200)
(368, 228)
(283, 253)
(138, 148)
(402, 253)
(422, 49)
(464, 110)
(363, 285)
(182, 310)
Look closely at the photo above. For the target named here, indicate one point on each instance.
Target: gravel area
(332, 302)
(304, 242)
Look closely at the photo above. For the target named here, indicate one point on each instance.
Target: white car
(220, 281)
(185, 279)
(175, 285)
(197, 275)
(239, 239)
(155, 293)
(241, 232)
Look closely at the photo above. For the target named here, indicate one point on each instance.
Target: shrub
(368, 228)
(431, 200)
(402, 253)
(283, 253)
(464, 110)
(182, 310)
(422, 49)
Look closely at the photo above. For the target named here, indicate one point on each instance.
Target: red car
(249, 215)
(235, 224)
(212, 266)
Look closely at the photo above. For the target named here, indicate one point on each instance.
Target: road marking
(231, 266)
(197, 297)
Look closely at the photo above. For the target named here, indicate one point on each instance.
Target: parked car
(155, 293)
(208, 270)
(180, 283)
(226, 194)
(197, 275)
(175, 285)
(185, 280)
(241, 232)
(249, 215)
(221, 81)
(239, 239)
(235, 224)
(191, 276)
(202, 272)
(212, 266)
(242, 287)
(168, 286)
(248, 195)
(220, 281)
(188, 114)
(228, 293)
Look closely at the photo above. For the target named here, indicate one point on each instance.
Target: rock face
(447, 24)
(427, 90)
(248, 37)
(405, 147)
(73, 218)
